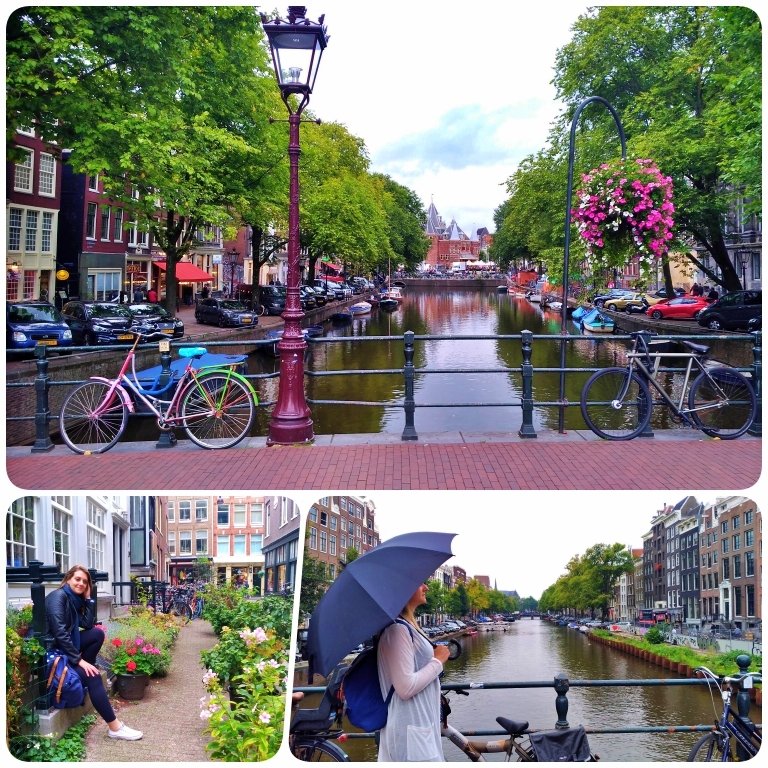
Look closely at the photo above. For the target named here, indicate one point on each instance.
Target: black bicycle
(732, 739)
(616, 403)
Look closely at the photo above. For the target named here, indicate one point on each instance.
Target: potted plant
(133, 663)
(625, 208)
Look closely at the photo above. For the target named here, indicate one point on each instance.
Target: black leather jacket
(61, 619)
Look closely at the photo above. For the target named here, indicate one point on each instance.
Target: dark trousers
(91, 641)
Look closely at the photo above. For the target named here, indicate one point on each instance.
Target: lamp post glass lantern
(297, 45)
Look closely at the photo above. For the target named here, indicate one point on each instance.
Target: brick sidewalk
(169, 713)
(675, 459)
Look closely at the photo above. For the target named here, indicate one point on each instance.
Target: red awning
(186, 272)
(330, 267)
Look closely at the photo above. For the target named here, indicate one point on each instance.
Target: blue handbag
(65, 688)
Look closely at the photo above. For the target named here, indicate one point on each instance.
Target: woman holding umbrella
(409, 662)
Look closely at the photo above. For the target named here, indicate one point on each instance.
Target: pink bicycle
(214, 405)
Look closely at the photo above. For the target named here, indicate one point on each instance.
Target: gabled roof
(435, 225)
(455, 232)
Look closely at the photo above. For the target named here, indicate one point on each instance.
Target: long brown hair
(71, 572)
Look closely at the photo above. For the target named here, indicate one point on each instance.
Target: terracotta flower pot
(683, 669)
(132, 687)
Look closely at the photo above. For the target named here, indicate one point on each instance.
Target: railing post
(561, 702)
(167, 437)
(757, 370)
(43, 442)
(742, 697)
(409, 403)
(526, 369)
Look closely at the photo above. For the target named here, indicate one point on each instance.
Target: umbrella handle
(454, 646)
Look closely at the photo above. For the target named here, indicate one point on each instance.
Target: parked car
(307, 298)
(98, 322)
(681, 308)
(224, 312)
(32, 323)
(734, 310)
(272, 298)
(318, 295)
(661, 293)
(324, 293)
(623, 303)
(153, 318)
(342, 290)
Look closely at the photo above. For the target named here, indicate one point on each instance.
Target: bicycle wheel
(88, 422)
(218, 410)
(180, 609)
(314, 750)
(611, 414)
(708, 749)
(722, 403)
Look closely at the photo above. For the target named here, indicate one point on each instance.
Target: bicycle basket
(568, 745)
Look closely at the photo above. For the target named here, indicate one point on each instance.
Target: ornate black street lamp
(297, 46)
(745, 257)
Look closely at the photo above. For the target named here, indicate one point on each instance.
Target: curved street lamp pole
(567, 251)
(297, 46)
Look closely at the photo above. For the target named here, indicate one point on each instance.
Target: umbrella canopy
(370, 593)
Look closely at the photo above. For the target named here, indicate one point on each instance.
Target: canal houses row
(242, 540)
(700, 565)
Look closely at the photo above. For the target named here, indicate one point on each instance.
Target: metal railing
(528, 375)
(561, 685)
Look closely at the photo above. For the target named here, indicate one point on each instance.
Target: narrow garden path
(169, 713)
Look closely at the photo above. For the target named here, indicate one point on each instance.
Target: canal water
(446, 311)
(535, 650)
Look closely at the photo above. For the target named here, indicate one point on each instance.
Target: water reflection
(445, 311)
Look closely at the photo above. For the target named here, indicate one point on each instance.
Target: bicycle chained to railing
(314, 733)
(175, 600)
(617, 402)
(747, 739)
(215, 405)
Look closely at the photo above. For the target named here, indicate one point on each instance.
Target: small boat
(534, 298)
(342, 316)
(277, 333)
(596, 322)
(360, 308)
(555, 306)
(393, 293)
(388, 305)
(579, 312)
(313, 330)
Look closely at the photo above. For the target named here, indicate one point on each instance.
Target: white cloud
(448, 96)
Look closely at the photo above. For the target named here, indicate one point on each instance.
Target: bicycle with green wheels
(215, 406)
(617, 403)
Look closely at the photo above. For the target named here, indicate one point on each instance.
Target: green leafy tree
(314, 583)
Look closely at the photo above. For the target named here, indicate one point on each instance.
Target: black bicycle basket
(566, 745)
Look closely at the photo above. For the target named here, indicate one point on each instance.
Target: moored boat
(388, 305)
(596, 322)
(393, 293)
(360, 308)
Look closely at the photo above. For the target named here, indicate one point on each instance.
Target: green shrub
(654, 636)
(70, 748)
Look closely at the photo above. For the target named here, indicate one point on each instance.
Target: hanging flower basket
(625, 209)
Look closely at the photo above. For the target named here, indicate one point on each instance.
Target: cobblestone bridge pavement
(676, 459)
(169, 713)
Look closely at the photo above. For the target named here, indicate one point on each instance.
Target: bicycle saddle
(512, 727)
(699, 349)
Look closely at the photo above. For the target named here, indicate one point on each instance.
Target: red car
(680, 308)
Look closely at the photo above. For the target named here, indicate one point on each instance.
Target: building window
(93, 183)
(724, 526)
(20, 533)
(46, 244)
(749, 563)
(749, 538)
(171, 511)
(185, 542)
(117, 225)
(257, 514)
(201, 510)
(725, 545)
(323, 541)
(62, 519)
(737, 566)
(90, 222)
(313, 538)
(736, 522)
(332, 545)
(240, 545)
(22, 181)
(257, 540)
(736, 541)
(334, 523)
(47, 178)
(222, 515)
(201, 542)
(28, 287)
(185, 511)
(105, 211)
(312, 516)
(726, 569)
(283, 513)
(14, 229)
(222, 546)
(748, 517)
(96, 538)
(171, 542)
(750, 592)
(239, 515)
(30, 235)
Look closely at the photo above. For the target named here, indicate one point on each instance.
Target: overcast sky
(448, 96)
(523, 540)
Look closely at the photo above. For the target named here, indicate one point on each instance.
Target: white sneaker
(126, 733)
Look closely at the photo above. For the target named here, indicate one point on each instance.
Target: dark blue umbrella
(370, 593)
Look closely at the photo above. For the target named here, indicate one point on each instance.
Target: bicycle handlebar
(707, 672)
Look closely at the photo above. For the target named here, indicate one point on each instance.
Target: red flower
(131, 651)
(130, 666)
(117, 642)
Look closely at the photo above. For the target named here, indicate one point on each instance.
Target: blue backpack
(65, 688)
(361, 693)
